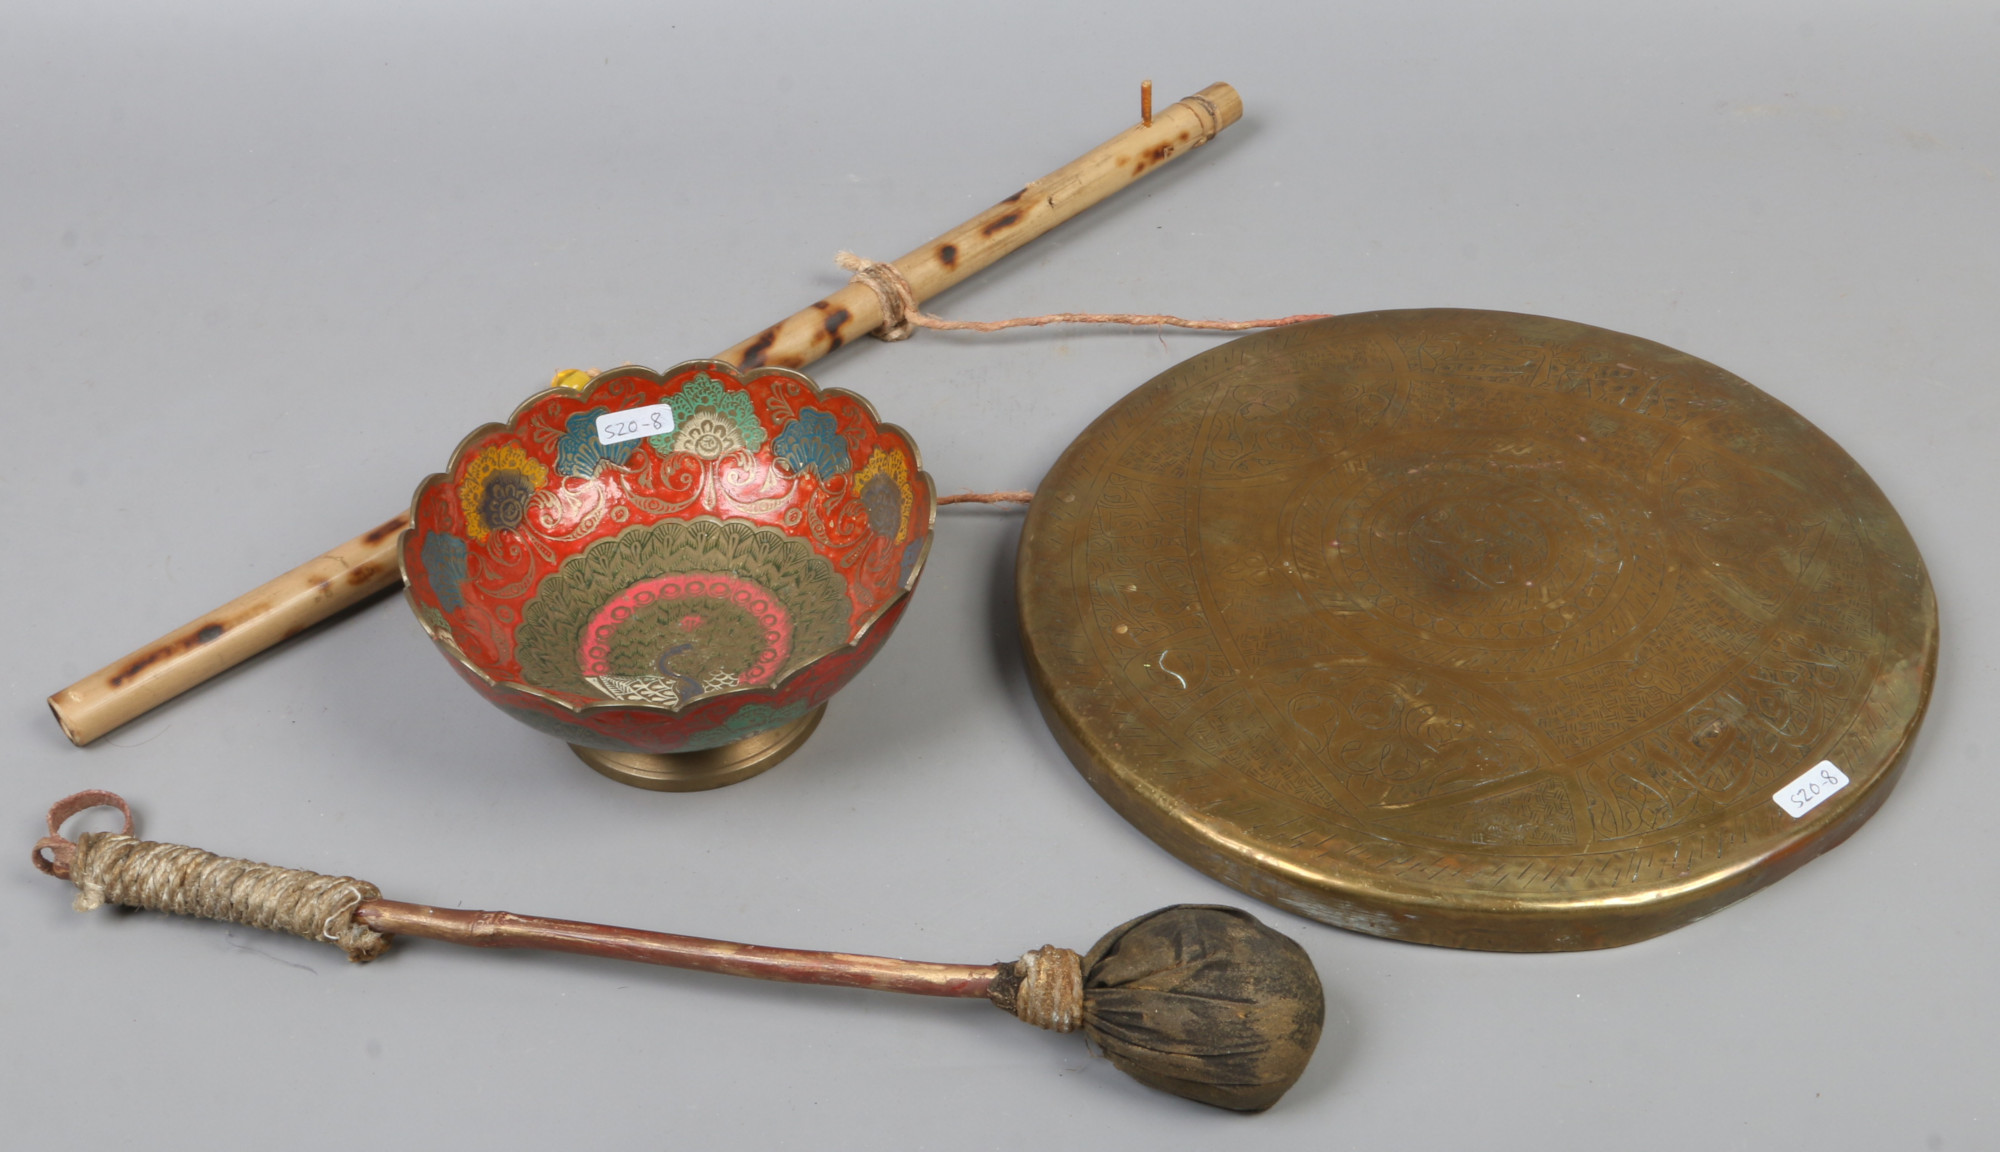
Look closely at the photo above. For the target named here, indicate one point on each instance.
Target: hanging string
(987, 498)
(901, 315)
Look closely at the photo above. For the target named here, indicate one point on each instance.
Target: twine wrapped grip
(119, 868)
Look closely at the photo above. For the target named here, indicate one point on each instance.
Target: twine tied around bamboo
(119, 868)
(899, 300)
(901, 315)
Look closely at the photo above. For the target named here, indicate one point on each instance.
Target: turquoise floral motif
(578, 734)
(911, 551)
(706, 394)
(748, 721)
(813, 443)
(578, 453)
(444, 559)
(760, 717)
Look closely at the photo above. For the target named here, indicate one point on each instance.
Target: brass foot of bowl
(708, 768)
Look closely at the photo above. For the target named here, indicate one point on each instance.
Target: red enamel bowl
(671, 571)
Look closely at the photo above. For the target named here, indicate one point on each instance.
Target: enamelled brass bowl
(671, 571)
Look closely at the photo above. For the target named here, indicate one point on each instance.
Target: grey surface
(262, 265)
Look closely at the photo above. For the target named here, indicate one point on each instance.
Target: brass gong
(1474, 628)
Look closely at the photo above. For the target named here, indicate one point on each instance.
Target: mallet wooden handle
(288, 605)
(791, 965)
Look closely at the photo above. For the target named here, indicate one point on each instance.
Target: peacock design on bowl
(661, 563)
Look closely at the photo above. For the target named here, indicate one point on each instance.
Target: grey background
(261, 265)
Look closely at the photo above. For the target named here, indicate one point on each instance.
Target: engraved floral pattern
(578, 451)
(708, 435)
(813, 443)
(913, 552)
(659, 610)
(884, 485)
(727, 420)
(759, 717)
(496, 488)
(647, 689)
(444, 560)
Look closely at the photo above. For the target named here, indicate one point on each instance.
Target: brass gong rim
(1473, 628)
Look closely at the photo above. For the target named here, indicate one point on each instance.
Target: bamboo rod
(790, 965)
(211, 645)
(188, 656)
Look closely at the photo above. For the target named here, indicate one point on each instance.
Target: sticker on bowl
(1804, 794)
(618, 427)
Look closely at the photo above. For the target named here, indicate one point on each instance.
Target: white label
(1804, 794)
(618, 427)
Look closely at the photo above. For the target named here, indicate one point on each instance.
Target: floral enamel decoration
(913, 555)
(685, 633)
(494, 493)
(578, 450)
(711, 421)
(813, 443)
(709, 435)
(756, 716)
(444, 559)
(884, 485)
(681, 591)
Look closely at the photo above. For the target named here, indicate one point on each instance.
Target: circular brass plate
(1472, 628)
(708, 768)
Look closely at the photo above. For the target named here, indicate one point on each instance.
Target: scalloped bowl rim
(774, 689)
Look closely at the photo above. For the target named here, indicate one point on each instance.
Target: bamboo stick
(193, 653)
(188, 656)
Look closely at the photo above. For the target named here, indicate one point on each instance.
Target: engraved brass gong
(1473, 628)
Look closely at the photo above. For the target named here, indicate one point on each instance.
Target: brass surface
(707, 768)
(1472, 628)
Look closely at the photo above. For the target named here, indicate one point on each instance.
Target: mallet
(1199, 1000)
